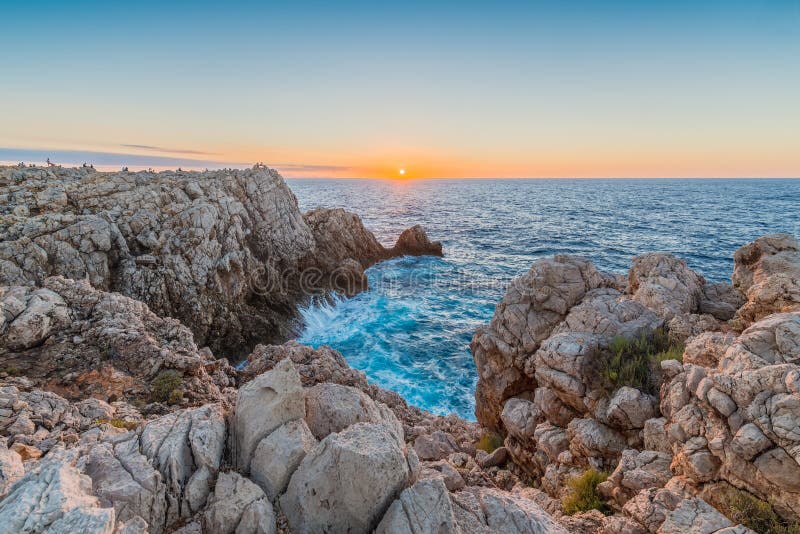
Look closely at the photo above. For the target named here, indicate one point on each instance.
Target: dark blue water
(411, 332)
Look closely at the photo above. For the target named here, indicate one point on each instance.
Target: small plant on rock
(583, 494)
(636, 362)
(743, 507)
(117, 423)
(163, 386)
(489, 442)
(175, 397)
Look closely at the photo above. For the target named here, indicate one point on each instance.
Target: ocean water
(410, 333)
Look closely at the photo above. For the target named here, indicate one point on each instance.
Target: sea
(411, 332)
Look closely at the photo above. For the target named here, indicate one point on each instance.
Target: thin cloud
(170, 150)
(309, 168)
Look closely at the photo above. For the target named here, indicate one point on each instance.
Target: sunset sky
(440, 89)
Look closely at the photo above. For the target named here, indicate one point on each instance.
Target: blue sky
(443, 89)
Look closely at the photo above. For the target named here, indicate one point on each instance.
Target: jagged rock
(325, 365)
(264, 404)
(223, 251)
(721, 300)
(238, 505)
(11, 468)
(449, 474)
(532, 306)
(630, 408)
(496, 458)
(279, 454)
(82, 341)
(637, 470)
(435, 446)
(414, 242)
(54, 495)
(348, 481)
(424, 507)
(333, 407)
(484, 510)
(767, 272)
(665, 284)
(591, 438)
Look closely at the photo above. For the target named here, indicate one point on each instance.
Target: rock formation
(114, 419)
(686, 393)
(226, 252)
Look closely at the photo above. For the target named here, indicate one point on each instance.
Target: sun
(402, 172)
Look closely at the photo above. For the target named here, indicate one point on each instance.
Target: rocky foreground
(123, 296)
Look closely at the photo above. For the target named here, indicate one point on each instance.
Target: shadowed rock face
(226, 252)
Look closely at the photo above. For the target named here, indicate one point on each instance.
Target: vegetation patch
(489, 442)
(637, 362)
(743, 507)
(164, 385)
(583, 494)
(117, 423)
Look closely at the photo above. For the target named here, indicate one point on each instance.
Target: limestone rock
(279, 454)
(424, 507)
(767, 271)
(238, 505)
(222, 251)
(11, 468)
(532, 307)
(347, 482)
(637, 470)
(435, 446)
(264, 404)
(53, 495)
(665, 284)
(333, 407)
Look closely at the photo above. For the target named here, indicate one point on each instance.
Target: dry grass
(583, 495)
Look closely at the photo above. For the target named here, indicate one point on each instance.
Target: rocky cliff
(228, 253)
(677, 400)
(685, 393)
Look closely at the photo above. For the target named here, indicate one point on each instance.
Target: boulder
(54, 495)
(333, 407)
(238, 505)
(279, 454)
(435, 446)
(424, 507)
(264, 404)
(767, 272)
(665, 284)
(347, 482)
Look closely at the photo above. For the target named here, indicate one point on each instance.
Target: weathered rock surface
(767, 272)
(81, 342)
(348, 481)
(264, 404)
(223, 251)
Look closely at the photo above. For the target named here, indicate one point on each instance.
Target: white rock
(263, 404)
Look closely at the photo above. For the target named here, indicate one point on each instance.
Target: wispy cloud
(115, 160)
(110, 159)
(152, 148)
(293, 167)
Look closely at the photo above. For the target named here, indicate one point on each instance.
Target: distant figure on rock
(49, 163)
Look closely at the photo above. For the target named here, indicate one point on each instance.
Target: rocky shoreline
(125, 297)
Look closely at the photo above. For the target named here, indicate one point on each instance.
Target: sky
(439, 89)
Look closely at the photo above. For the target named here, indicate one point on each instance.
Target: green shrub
(636, 362)
(164, 385)
(175, 397)
(742, 507)
(489, 442)
(583, 495)
(12, 370)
